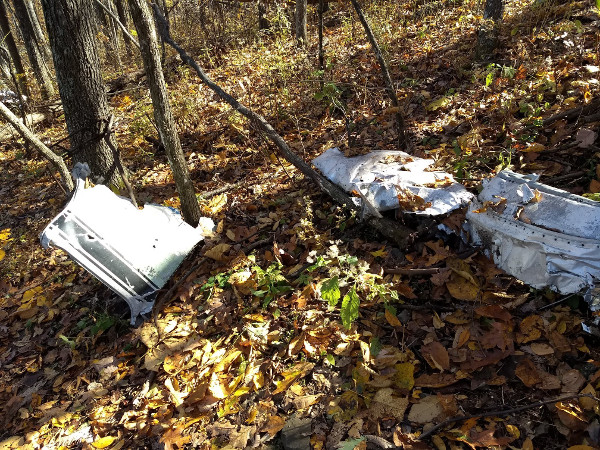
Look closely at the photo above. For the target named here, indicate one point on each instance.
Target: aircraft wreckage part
(394, 180)
(134, 252)
(543, 236)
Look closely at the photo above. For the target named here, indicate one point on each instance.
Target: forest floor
(258, 343)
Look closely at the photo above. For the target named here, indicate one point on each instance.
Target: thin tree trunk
(321, 54)
(40, 37)
(32, 139)
(391, 229)
(72, 32)
(11, 45)
(389, 87)
(111, 44)
(301, 22)
(263, 22)
(142, 18)
(36, 58)
(123, 21)
(487, 39)
(117, 20)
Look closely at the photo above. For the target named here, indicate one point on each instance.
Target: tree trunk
(40, 37)
(36, 58)
(72, 33)
(487, 39)
(389, 87)
(32, 139)
(263, 22)
(301, 22)
(124, 19)
(162, 109)
(12, 49)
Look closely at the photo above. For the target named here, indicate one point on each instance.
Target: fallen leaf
(386, 405)
(426, 411)
(436, 355)
(103, 442)
(274, 425)
(527, 373)
(218, 251)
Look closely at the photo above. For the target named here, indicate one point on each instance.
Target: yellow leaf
(380, 253)
(534, 148)
(437, 104)
(28, 295)
(2, 254)
(103, 442)
(4, 234)
(392, 319)
(513, 430)
(405, 376)
(297, 371)
(274, 425)
(216, 204)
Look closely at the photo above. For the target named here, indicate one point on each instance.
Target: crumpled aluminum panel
(549, 238)
(384, 176)
(134, 252)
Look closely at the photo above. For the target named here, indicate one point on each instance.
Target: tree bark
(72, 33)
(301, 22)
(32, 139)
(36, 58)
(389, 87)
(487, 38)
(40, 37)
(392, 230)
(165, 123)
(12, 49)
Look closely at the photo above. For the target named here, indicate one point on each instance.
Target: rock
(295, 434)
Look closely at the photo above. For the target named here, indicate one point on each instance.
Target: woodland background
(296, 324)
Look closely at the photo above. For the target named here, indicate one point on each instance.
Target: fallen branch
(56, 160)
(413, 272)
(220, 190)
(503, 412)
(386, 227)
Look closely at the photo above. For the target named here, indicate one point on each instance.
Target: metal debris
(132, 251)
(394, 180)
(543, 236)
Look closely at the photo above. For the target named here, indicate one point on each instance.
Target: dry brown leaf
(274, 425)
(531, 328)
(426, 411)
(218, 252)
(436, 356)
(527, 373)
(435, 380)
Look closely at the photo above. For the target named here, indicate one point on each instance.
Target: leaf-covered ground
(298, 313)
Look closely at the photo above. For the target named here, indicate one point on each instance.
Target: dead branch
(220, 190)
(503, 412)
(388, 228)
(413, 272)
(26, 133)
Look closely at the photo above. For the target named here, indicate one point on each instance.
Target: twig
(220, 190)
(379, 441)
(504, 412)
(413, 272)
(567, 176)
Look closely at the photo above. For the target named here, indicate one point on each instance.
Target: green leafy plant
(271, 283)
(331, 96)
